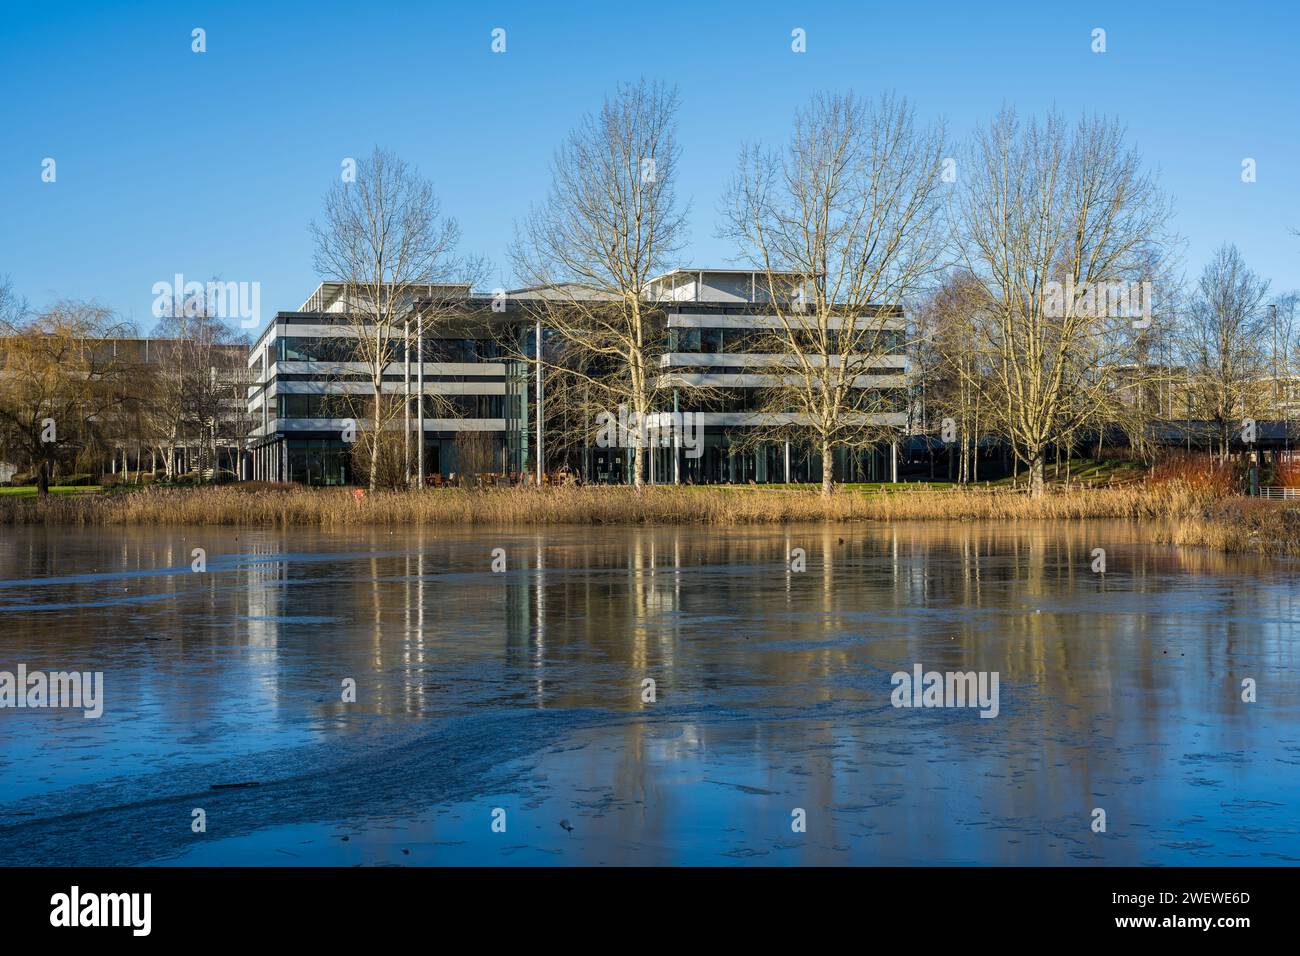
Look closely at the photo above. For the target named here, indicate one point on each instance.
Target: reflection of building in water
(524, 583)
(264, 571)
(414, 651)
(788, 672)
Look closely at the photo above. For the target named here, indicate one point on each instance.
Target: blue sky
(213, 164)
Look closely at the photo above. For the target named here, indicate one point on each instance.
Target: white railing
(1280, 493)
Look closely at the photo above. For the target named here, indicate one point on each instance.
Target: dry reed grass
(272, 506)
(1239, 526)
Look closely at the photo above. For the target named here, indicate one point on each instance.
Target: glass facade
(337, 349)
(318, 461)
(712, 341)
(316, 457)
(725, 460)
(320, 406)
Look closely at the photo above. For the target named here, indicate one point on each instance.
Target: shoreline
(1185, 516)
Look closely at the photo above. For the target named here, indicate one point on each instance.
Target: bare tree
(60, 378)
(1283, 352)
(197, 391)
(1226, 339)
(1055, 220)
(947, 368)
(608, 226)
(843, 225)
(475, 455)
(385, 240)
(13, 308)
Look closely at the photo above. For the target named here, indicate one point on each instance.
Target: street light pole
(541, 456)
(419, 387)
(406, 399)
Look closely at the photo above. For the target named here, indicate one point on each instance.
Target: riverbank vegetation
(1181, 512)
(261, 504)
(1239, 526)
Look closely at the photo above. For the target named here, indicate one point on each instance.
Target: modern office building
(715, 319)
(480, 393)
(308, 389)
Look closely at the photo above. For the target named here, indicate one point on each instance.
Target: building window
(318, 461)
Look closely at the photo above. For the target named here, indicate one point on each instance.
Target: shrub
(1195, 472)
(1287, 474)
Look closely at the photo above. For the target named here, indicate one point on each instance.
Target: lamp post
(406, 399)
(541, 457)
(419, 387)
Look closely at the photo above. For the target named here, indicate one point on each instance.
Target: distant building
(225, 433)
(134, 444)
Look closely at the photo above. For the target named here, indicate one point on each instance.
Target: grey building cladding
(477, 376)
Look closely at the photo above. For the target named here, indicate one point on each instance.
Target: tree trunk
(43, 478)
(828, 465)
(374, 438)
(640, 410)
(1037, 487)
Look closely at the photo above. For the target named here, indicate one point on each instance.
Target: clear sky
(213, 164)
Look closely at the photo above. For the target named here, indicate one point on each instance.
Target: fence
(1280, 493)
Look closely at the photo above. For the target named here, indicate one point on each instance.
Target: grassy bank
(1239, 526)
(273, 506)
(30, 491)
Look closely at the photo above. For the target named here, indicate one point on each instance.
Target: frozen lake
(523, 691)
